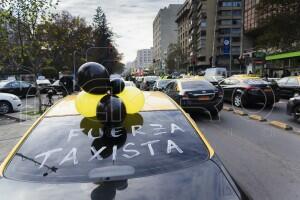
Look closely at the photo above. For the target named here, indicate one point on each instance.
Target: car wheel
(296, 112)
(237, 100)
(5, 107)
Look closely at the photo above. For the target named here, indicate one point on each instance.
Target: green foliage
(32, 37)
(281, 29)
(49, 72)
(175, 58)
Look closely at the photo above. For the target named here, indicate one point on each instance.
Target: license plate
(268, 90)
(204, 98)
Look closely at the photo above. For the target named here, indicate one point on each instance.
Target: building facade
(144, 58)
(210, 33)
(164, 34)
(277, 63)
(183, 24)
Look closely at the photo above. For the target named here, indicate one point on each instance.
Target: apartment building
(183, 24)
(210, 33)
(144, 58)
(164, 34)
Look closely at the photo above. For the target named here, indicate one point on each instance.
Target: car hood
(7, 95)
(203, 181)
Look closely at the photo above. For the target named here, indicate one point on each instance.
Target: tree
(27, 50)
(105, 51)
(280, 28)
(175, 58)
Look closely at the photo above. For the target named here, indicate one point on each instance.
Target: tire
(214, 113)
(5, 107)
(295, 111)
(237, 100)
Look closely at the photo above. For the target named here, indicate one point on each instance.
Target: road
(277, 113)
(263, 159)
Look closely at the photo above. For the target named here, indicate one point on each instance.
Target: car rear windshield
(196, 85)
(77, 149)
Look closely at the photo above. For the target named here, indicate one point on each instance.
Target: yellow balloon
(133, 98)
(86, 104)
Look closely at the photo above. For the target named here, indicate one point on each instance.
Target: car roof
(155, 101)
(245, 76)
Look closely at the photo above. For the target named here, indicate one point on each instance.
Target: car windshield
(75, 149)
(196, 85)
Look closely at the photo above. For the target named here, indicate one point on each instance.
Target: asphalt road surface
(263, 159)
(277, 113)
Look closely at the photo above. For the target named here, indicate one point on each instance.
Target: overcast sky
(131, 20)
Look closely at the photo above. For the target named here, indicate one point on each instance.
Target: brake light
(185, 96)
(251, 88)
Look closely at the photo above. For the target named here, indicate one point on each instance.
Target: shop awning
(283, 55)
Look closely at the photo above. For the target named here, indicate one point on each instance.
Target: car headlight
(292, 99)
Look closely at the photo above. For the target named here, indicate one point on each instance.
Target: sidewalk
(10, 135)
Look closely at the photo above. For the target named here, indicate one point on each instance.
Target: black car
(160, 85)
(246, 90)
(289, 86)
(148, 82)
(195, 95)
(19, 88)
(293, 107)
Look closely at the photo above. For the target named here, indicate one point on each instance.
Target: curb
(257, 118)
(239, 112)
(227, 108)
(281, 125)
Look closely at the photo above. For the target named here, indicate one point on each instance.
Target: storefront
(283, 64)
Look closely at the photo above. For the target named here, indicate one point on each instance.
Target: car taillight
(251, 88)
(185, 96)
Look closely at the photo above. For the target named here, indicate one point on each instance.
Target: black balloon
(111, 110)
(117, 86)
(93, 78)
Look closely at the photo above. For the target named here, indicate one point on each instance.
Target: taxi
(243, 90)
(158, 153)
(196, 94)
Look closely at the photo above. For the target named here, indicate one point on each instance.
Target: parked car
(19, 88)
(44, 85)
(158, 153)
(243, 90)
(129, 83)
(160, 85)
(293, 107)
(9, 103)
(148, 82)
(289, 86)
(195, 95)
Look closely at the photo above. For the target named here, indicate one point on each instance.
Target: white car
(129, 83)
(9, 103)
